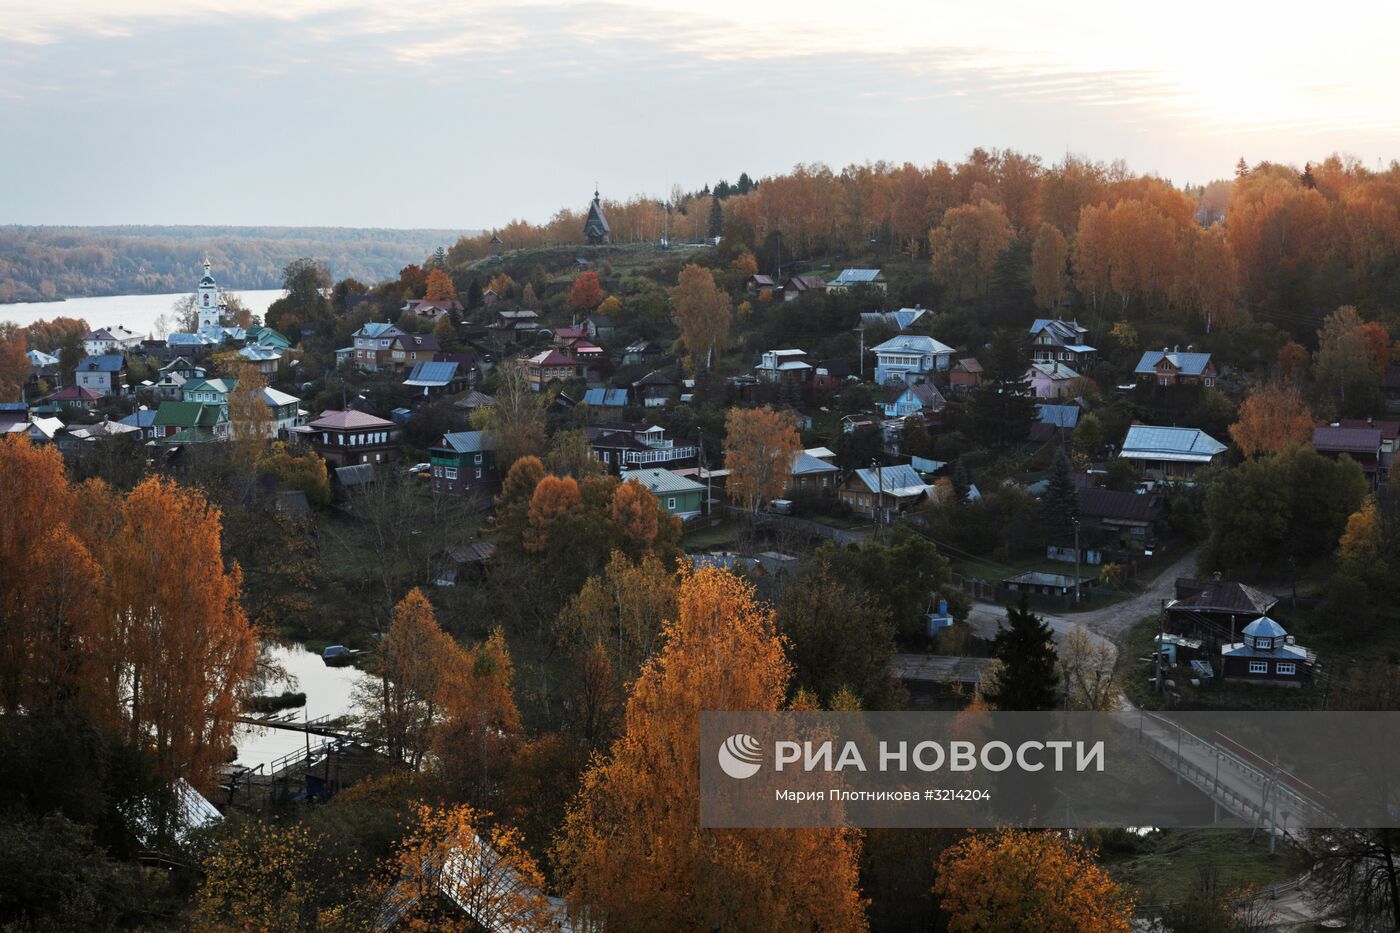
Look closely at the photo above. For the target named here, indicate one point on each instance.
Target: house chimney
(1165, 351)
(1190, 347)
(1176, 348)
(1216, 576)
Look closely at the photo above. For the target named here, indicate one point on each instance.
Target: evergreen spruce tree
(1028, 680)
(962, 486)
(1061, 499)
(716, 218)
(1001, 406)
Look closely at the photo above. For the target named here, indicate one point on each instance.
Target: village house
(1065, 587)
(800, 285)
(884, 491)
(76, 397)
(464, 464)
(550, 366)
(599, 327)
(105, 374)
(812, 474)
(373, 346)
(1169, 455)
(1053, 422)
(1121, 524)
(1362, 444)
(851, 278)
(641, 352)
(563, 336)
(654, 390)
(831, 374)
(678, 495)
(283, 410)
(1173, 367)
(921, 399)
(110, 340)
(1266, 654)
(142, 419)
(1215, 609)
(437, 379)
(209, 391)
(789, 366)
(631, 446)
(349, 438)
(605, 404)
(515, 326)
(408, 350)
(266, 337)
(897, 321)
(1056, 341)
(910, 358)
(965, 375)
(757, 283)
(190, 423)
(1052, 380)
(264, 359)
(432, 309)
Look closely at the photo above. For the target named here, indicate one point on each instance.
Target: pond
(329, 693)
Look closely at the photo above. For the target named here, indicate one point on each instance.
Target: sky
(468, 114)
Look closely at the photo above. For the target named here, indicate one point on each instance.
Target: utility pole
(1161, 620)
(879, 499)
(860, 329)
(700, 436)
(1076, 563)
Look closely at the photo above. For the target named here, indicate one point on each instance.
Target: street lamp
(1075, 522)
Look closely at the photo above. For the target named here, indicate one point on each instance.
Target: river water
(329, 692)
(137, 313)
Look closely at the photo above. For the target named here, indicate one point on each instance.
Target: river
(137, 313)
(329, 692)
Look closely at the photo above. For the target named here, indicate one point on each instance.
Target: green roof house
(679, 496)
(189, 422)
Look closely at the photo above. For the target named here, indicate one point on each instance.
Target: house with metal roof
(283, 410)
(143, 420)
(678, 495)
(549, 366)
(784, 366)
(190, 422)
(105, 374)
(800, 285)
(464, 464)
(876, 490)
(654, 390)
(1170, 455)
(910, 358)
(921, 398)
(1054, 340)
(850, 278)
(810, 473)
(373, 345)
(1052, 380)
(436, 379)
(1362, 444)
(898, 321)
(1215, 609)
(1174, 367)
(408, 350)
(76, 397)
(209, 391)
(1040, 583)
(632, 446)
(1266, 653)
(346, 438)
(966, 374)
(606, 404)
(1120, 523)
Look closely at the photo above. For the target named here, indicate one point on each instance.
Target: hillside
(41, 263)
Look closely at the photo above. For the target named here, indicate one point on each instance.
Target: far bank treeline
(1282, 243)
(45, 263)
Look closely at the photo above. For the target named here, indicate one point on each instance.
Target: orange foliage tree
(760, 445)
(481, 722)
(412, 667)
(1048, 256)
(168, 587)
(14, 365)
(631, 850)
(1022, 880)
(702, 313)
(965, 247)
(440, 287)
(587, 292)
(1272, 419)
(554, 498)
(1293, 360)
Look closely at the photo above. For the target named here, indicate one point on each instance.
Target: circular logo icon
(740, 756)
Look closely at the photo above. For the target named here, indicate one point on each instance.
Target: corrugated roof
(899, 480)
(804, 464)
(431, 375)
(187, 415)
(1149, 442)
(662, 481)
(468, 442)
(276, 398)
(912, 343)
(1190, 364)
(1329, 437)
(607, 398)
(349, 420)
(1060, 416)
(856, 276)
(106, 363)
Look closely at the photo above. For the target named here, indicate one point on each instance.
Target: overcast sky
(362, 113)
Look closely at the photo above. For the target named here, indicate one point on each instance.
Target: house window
(478, 460)
(451, 472)
(1285, 668)
(478, 472)
(1259, 667)
(1263, 642)
(671, 504)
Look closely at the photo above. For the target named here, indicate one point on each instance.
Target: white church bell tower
(210, 314)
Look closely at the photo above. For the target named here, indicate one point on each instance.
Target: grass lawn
(1167, 865)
